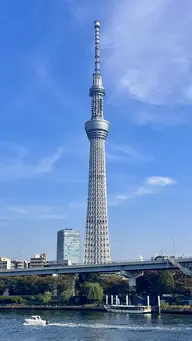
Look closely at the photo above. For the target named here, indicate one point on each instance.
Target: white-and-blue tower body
(97, 248)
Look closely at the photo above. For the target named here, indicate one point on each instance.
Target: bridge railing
(130, 261)
(175, 262)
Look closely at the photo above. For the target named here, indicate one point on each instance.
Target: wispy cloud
(127, 154)
(46, 79)
(147, 47)
(151, 185)
(161, 115)
(47, 164)
(160, 181)
(19, 164)
(31, 213)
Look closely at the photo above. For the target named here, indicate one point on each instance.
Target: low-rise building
(5, 263)
(38, 260)
(58, 263)
(19, 264)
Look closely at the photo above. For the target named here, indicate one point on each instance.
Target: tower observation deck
(97, 248)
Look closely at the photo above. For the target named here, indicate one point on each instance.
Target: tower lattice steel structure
(97, 249)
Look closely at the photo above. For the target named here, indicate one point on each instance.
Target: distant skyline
(46, 67)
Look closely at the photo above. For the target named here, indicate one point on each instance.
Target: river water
(95, 326)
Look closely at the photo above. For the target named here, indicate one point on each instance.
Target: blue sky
(46, 66)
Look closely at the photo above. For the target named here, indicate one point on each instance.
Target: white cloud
(31, 213)
(142, 191)
(160, 181)
(46, 81)
(147, 50)
(126, 153)
(152, 185)
(161, 115)
(17, 164)
(47, 164)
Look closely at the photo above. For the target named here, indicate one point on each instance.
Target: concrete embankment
(186, 311)
(27, 307)
(168, 310)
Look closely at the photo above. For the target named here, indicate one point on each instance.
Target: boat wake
(123, 327)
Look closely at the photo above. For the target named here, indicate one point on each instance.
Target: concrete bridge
(165, 263)
(130, 269)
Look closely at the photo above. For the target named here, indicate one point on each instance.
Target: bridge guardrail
(186, 271)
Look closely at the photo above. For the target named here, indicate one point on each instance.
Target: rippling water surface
(96, 326)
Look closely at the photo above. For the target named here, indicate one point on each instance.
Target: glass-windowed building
(68, 245)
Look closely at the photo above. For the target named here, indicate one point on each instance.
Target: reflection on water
(79, 326)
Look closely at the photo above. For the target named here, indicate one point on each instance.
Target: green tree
(23, 285)
(2, 287)
(183, 283)
(63, 283)
(93, 291)
(45, 298)
(148, 283)
(114, 285)
(12, 299)
(67, 294)
(143, 284)
(82, 278)
(158, 282)
(19, 300)
(166, 282)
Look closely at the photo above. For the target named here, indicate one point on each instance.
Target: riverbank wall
(76, 308)
(177, 311)
(168, 310)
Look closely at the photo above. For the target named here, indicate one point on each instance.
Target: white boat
(129, 309)
(36, 320)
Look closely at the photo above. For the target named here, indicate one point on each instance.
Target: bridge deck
(111, 267)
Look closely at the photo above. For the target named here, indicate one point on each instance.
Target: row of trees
(165, 282)
(152, 282)
(92, 287)
(33, 300)
(34, 285)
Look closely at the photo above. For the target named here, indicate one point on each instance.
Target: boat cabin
(35, 317)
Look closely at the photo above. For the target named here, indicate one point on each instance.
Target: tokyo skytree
(97, 249)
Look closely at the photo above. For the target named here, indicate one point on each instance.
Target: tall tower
(97, 249)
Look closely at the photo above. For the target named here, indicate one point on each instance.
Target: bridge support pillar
(132, 277)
